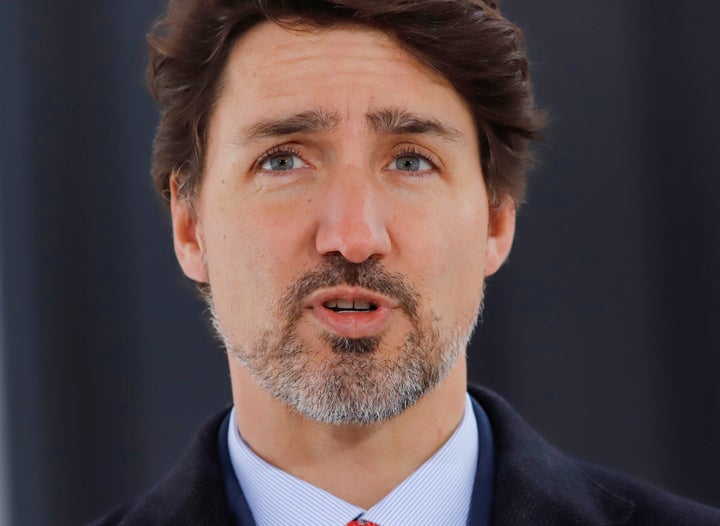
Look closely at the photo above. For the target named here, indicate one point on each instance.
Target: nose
(353, 219)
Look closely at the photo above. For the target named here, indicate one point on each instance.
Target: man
(342, 176)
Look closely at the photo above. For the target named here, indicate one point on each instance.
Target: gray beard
(355, 384)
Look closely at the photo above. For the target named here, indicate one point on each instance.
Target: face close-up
(342, 222)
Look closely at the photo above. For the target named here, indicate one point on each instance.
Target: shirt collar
(438, 492)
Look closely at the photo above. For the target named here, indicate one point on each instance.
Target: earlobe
(501, 231)
(187, 238)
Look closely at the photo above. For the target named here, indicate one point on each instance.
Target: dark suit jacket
(535, 485)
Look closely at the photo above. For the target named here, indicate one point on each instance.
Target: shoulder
(191, 494)
(535, 483)
(652, 505)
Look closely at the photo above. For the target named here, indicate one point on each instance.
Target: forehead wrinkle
(310, 121)
(397, 121)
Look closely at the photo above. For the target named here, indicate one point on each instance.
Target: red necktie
(360, 522)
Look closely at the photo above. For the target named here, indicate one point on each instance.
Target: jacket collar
(535, 484)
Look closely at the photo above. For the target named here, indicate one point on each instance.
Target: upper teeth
(347, 305)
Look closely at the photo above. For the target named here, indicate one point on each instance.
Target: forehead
(345, 69)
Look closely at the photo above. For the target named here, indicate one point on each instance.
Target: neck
(359, 464)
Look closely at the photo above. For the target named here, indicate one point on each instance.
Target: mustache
(334, 270)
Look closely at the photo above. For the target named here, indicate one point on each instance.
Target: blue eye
(412, 163)
(282, 161)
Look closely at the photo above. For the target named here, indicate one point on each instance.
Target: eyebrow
(311, 121)
(388, 121)
(396, 121)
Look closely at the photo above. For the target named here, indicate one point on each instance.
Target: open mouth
(349, 306)
(351, 312)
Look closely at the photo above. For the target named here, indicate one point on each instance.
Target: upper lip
(348, 293)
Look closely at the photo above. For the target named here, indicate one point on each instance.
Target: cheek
(252, 256)
(450, 262)
(470, 247)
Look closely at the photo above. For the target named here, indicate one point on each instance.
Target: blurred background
(603, 329)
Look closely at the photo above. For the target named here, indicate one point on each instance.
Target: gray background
(602, 329)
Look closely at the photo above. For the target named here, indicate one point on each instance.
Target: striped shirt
(438, 492)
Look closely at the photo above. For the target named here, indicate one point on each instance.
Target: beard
(358, 383)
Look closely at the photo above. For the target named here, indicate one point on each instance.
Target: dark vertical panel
(20, 299)
(76, 275)
(681, 112)
(98, 357)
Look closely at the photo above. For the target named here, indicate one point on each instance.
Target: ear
(501, 231)
(187, 238)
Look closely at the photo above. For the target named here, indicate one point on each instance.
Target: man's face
(342, 222)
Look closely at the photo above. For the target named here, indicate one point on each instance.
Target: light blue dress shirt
(438, 492)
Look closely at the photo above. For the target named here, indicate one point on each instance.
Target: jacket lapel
(537, 485)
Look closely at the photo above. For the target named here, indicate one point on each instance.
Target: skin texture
(411, 199)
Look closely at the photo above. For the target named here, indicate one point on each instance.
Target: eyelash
(415, 151)
(277, 150)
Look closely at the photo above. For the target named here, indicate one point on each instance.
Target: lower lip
(353, 324)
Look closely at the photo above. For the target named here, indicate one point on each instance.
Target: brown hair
(469, 42)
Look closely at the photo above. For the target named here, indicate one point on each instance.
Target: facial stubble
(360, 382)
